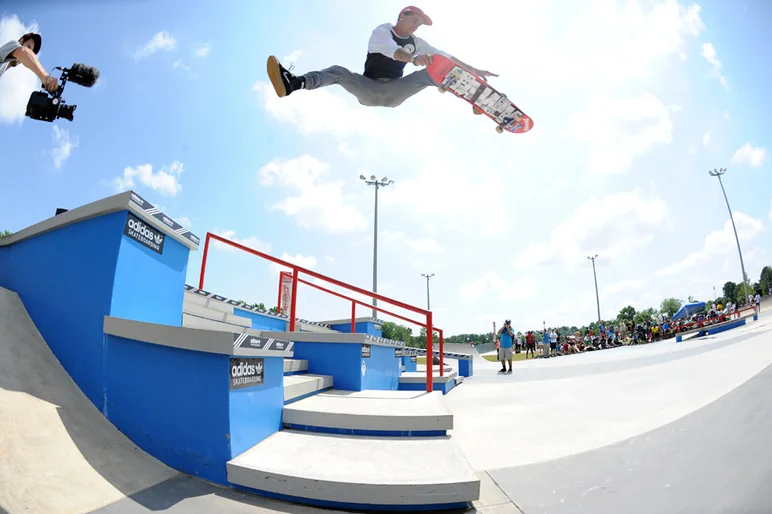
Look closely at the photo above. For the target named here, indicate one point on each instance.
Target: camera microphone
(81, 74)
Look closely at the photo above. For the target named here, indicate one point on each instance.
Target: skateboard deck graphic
(457, 79)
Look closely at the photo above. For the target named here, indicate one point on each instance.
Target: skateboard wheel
(499, 129)
(441, 89)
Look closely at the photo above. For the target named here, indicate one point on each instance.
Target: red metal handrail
(355, 302)
(296, 270)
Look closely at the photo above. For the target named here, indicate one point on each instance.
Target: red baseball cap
(415, 10)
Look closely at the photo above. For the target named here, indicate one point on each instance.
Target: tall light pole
(428, 305)
(378, 184)
(597, 298)
(718, 173)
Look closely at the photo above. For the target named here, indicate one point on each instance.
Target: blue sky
(633, 102)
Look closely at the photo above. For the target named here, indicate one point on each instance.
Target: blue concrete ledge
(444, 386)
(715, 329)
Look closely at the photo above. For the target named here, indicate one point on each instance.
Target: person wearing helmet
(382, 83)
(25, 51)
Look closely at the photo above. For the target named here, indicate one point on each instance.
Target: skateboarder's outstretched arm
(426, 48)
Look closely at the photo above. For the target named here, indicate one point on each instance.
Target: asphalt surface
(717, 460)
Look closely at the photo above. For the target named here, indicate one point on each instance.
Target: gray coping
(363, 319)
(419, 377)
(453, 355)
(211, 341)
(332, 337)
(128, 200)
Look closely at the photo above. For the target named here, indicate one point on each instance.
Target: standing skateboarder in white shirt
(382, 84)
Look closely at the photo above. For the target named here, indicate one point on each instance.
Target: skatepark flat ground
(664, 427)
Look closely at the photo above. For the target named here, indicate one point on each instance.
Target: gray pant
(371, 92)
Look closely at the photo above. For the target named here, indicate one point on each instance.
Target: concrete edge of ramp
(482, 362)
(58, 453)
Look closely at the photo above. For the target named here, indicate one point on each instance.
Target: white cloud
(319, 203)
(422, 245)
(250, 242)
(617, 131)
(318, 111)
(718, 244)
(292, 58)
(204, 50)
(477, 200)
(167, 182)
(185, 222)
(706, 138)
(753, 157)
(614, 227)
(709, 53)
(64, 145)
(304, 261)
(490, 284)
(770, 211)
(161, 41)
(17, 83)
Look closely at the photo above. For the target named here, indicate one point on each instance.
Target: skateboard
(451, 76)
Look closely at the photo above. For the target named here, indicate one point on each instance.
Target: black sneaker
(283, 81)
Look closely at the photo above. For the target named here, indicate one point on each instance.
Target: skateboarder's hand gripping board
(471, 85)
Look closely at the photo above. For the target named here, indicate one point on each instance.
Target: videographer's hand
(423, 60)
(50, 83)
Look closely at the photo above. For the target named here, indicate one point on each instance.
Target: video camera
(43, 107)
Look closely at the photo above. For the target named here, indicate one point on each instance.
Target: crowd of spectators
(552, 343)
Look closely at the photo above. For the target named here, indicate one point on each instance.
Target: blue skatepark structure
(228, 393)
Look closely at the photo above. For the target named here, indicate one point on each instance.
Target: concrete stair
(295, 366)
(303, 385)
(358, 472)
(386, 413)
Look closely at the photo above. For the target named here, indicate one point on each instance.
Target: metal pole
(595, 276)
(718, 173)
(378, 184)
(375, 251)
(428, 305)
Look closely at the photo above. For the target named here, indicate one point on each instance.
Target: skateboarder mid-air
(382, 84)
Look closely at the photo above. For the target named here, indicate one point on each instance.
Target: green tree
(395, 332)
(729, 289)
(627, 314)
(5, 233)
(670, 306)
(739, 293)
(765, 280)
(645, 315)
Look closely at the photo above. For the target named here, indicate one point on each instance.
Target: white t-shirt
(382, 42)
(5, 55)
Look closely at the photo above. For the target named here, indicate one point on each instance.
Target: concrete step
(416, 381)
(294, 366)
(384, 413)
(300, 386)
(190, 321)
(359, 472)
(203, 301)
(307, 327)
(216, 315)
